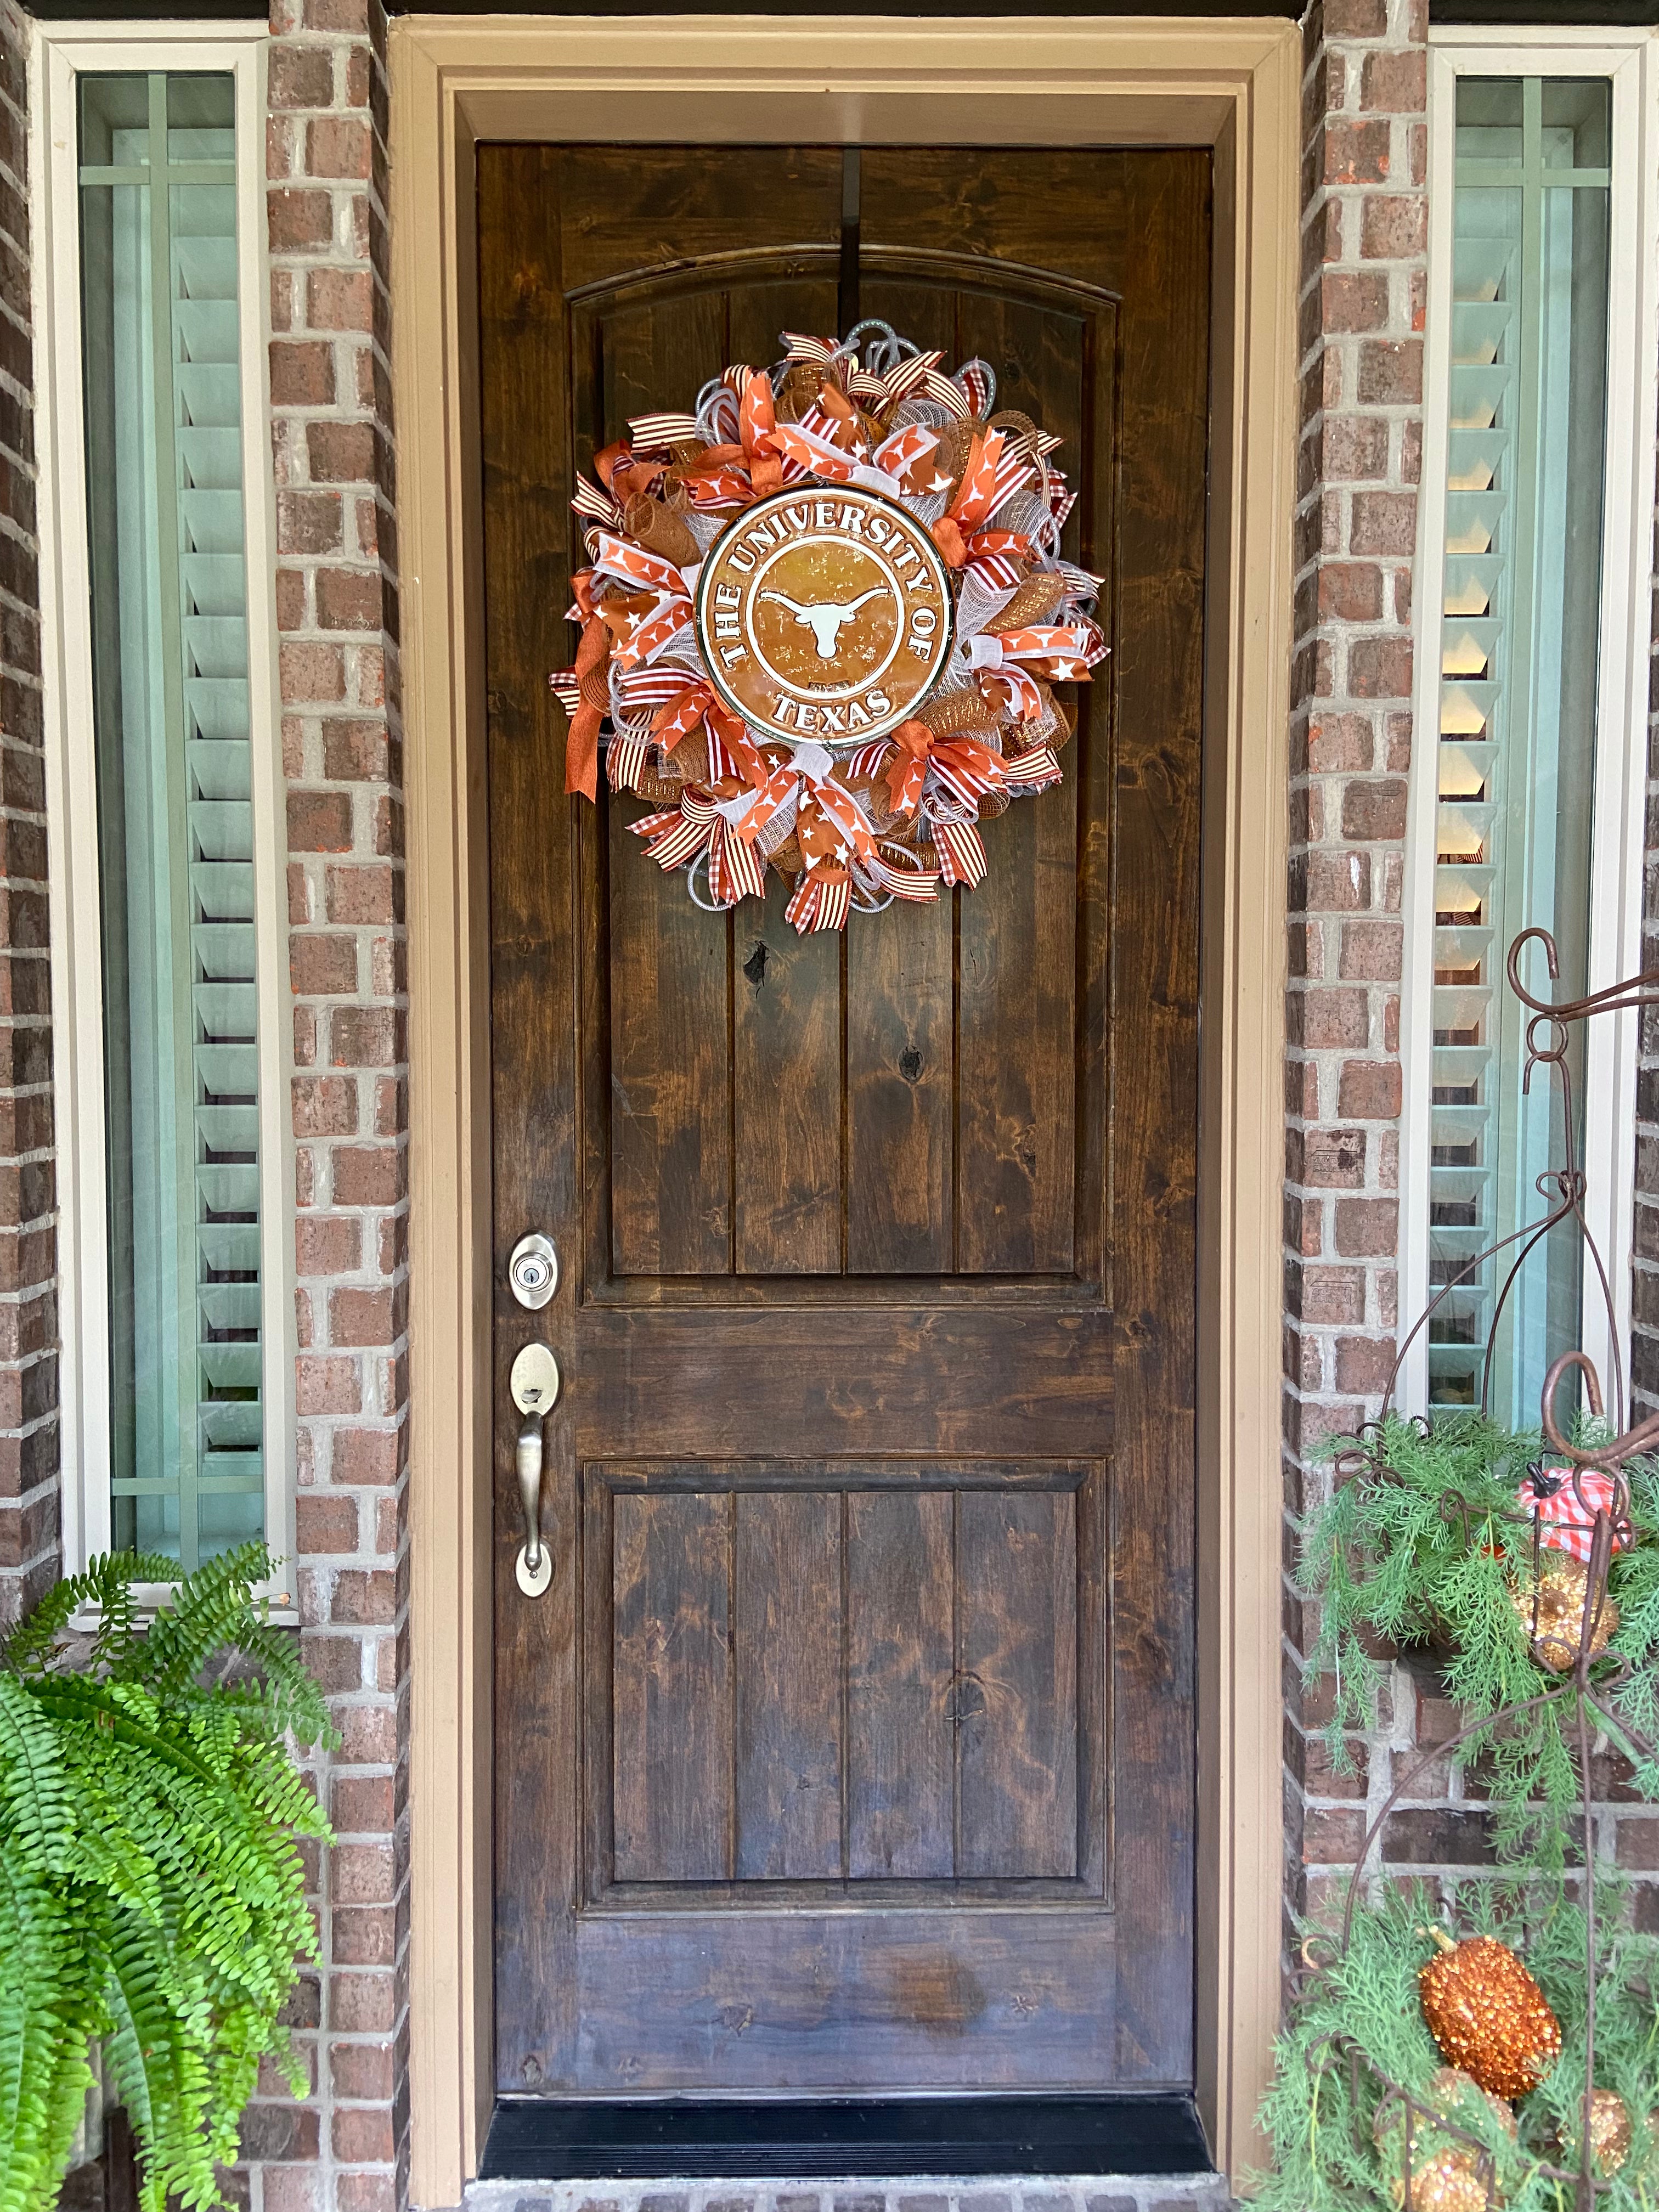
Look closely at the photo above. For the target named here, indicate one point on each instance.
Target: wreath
(822, 624)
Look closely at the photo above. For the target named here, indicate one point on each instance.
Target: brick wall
(29, 1304)
(1644, 1261)
(1364, 239)
(344, 2147)
(1363, 302)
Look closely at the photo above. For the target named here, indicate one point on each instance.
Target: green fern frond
(151, 1892)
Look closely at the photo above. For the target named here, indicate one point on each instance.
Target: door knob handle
(535, 1386)
(535, 1561)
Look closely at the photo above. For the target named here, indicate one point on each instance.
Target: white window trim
(1628, 58)
(58, 53)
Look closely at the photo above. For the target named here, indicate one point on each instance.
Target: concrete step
(1076, 2193)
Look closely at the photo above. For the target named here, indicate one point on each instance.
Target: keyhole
(754, 966)
(910, 1064)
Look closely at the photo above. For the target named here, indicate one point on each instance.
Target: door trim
(1229, 83)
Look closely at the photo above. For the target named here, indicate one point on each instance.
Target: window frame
(1624, 652)
(60, 54)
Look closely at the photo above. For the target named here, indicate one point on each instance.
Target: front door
(849, 1750)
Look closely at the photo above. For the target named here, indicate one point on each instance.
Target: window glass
(171, 740)
(1526, 443)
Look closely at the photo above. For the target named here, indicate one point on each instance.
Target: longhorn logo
(824, 619)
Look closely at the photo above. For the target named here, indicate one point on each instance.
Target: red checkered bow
(1564, 1510)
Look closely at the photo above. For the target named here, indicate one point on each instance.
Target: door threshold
(548, 2139)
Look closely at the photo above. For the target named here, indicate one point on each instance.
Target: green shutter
(163, 403)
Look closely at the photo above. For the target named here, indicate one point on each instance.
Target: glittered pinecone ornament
(1488, 2015)
(1609, 2130)
(1551, 1612)
(1445, 2176)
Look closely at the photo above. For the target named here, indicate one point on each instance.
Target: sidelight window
(165, 825)
(1530, 706)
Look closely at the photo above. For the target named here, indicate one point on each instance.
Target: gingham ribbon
(1565, 1514)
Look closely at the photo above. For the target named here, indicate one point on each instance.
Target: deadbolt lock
(532, 1272)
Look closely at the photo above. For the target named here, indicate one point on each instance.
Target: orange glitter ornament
(1488, 2015)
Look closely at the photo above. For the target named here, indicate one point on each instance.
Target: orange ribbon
(965, 761)
(581, 746)
(972, 502)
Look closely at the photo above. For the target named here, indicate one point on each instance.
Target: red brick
(363, 2072)
(1337, 882)
(327, 1386)
(348, 598)
(311, 672)
(340, 453)
(361, 1804)
(1397, 82)
(1326, 1016)
(327, 1243)
(326, 1523)
(336, 146)
(1371, 950)
(365, 1036)
(1329, 1297)
(1364, 1364)
(366, 2191)
(367, 894)
(338, 15)
(1379, 668)
(1350, 591)
(300, 76)
(1354, 300)
(299, 221)
(368, 1733)
(1328, 1159)
(1391, 372)
(364, 1935)
(341, 299)
(1356, 19)
(1370, 1090)
(369, 1456)
(1394, 226)
(356, 751)
(362, 1598)
(1385, 522)
(369, 1175)
(309, 522)
(1366, 1228)
(359, 1317)
(1356, 153)
(364, 2004)
(364, 1874)
(324, 1106)
(320, 965)
(292, 2188)
(318, 822)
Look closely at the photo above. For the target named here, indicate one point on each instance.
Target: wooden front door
(851, 1749)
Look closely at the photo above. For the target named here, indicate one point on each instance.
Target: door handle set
(532, 1275)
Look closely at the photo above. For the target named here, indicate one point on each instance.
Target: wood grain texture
(789, 1659)
(787, 1087)
(1016, 1700)
(672, 1688)
(901, 1092)
(900, 1591)
(878, 1412)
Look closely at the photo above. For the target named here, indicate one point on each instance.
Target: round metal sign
(824, 615)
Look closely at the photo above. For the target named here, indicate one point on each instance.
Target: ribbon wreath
(898, 817)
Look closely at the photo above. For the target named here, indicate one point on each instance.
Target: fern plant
(151, 1888)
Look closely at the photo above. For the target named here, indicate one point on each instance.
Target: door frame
(1225, 82)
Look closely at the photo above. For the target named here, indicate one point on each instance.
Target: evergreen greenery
(1424, 1546)
(151, 1891)
(1322, 2115)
